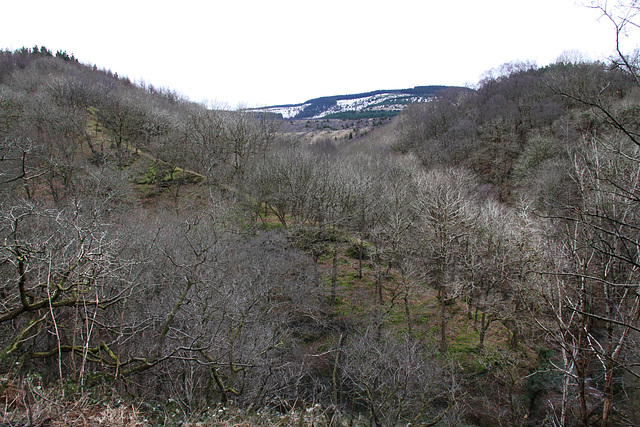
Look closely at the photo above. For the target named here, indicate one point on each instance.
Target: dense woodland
(475, 261)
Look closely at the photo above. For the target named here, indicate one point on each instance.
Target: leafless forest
(475, 261)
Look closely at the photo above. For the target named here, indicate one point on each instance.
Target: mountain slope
(379, 103)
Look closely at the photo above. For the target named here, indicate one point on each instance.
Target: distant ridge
(378, 103)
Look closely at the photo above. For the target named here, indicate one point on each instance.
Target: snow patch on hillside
(287, 111)
(378, 102)
(383, 101)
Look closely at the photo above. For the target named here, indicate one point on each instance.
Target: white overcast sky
(267, 52)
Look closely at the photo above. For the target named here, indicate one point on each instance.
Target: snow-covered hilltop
(363, 105)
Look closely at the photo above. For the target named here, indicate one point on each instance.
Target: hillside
(473, 260)
(375, 104)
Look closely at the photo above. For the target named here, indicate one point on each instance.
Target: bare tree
(398, 381)
(123, 114)
(200, 133)
(500, 261)
(595, 301)
(56, 262)
(245, 134)
(623, 15)
(444, 212)
(281, 182)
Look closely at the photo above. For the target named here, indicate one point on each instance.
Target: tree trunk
(379, 286)
(483, 330)
(334, 276)
(581, 368)
(407, 312)
(360, 254)
(606, 403)
(443, 321)
(336, 369)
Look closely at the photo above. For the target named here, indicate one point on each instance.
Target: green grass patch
(464, 342)
(270, 225)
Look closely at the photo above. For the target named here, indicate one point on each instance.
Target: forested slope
(475, 262)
